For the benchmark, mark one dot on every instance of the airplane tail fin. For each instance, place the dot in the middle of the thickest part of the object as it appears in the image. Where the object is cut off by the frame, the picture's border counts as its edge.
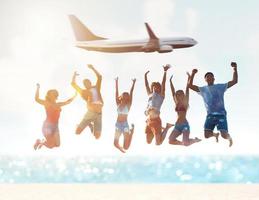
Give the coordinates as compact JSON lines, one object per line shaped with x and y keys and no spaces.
{"x":82,"y":33}
{"x":150,"y":32}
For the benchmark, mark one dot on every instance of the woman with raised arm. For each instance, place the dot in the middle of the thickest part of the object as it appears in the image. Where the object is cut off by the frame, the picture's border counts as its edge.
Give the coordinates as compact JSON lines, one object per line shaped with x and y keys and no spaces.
{"x":123,"y":102}
{"x":156,"y":94}
{"x":50,"y":128}
{"x":181,"y":125}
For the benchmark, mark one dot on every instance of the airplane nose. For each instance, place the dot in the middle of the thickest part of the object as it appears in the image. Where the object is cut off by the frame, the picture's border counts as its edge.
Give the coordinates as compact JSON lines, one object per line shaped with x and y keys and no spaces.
{"x":194,"y":42}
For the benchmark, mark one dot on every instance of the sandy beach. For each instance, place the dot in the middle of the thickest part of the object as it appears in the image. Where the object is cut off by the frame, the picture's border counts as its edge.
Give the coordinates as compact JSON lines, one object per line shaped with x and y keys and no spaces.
{"x":129,"y":191}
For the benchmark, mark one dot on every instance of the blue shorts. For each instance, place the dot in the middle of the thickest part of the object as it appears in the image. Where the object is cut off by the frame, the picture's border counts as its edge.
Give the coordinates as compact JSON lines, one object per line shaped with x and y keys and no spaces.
{"x":122,"y":127}
{"x":182,"y":127}
{"x":216,"y":120}
{"x":179,"y":129}
{"x":49,"y":128}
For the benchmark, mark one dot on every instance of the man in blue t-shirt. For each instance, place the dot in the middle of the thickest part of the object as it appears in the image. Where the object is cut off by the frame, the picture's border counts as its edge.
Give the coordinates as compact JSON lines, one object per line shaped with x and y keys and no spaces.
{"x":213,"y":97}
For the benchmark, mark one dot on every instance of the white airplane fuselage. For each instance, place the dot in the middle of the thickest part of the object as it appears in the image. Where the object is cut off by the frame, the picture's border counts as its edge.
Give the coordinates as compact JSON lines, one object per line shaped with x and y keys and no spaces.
{"x":86,"y":39}
{"x":120,"y":46}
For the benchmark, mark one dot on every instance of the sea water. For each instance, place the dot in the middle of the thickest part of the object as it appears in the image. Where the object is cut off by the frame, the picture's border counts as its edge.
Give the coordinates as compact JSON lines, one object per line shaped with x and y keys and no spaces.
{"x":138,"y":169}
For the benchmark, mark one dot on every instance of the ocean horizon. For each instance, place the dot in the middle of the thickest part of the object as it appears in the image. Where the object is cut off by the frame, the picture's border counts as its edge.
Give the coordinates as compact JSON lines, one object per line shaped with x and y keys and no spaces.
{"x":130,"y":169}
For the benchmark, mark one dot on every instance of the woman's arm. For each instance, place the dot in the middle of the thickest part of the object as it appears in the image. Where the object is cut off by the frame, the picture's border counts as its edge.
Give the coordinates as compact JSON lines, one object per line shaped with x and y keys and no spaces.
{"x":172,"y":88}
{"x":147,"y":84}
{"x":37,"y":94}
{"x":166,"y":67}
{"x":187,"y":88}
{"x":131,"y":90}
{"x":67,"y":101}
{"x":117,"y":90}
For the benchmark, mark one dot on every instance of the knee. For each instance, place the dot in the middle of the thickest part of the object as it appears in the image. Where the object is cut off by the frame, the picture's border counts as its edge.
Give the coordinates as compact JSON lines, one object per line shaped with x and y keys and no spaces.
{"x":58,"y":145}
{"x":126,"y":147}
{"x":149,"y":141}
{"x":78,"y":131}
{"x":207,"y":134}
{"x":97,"y":135}
{"x":115,"y":143}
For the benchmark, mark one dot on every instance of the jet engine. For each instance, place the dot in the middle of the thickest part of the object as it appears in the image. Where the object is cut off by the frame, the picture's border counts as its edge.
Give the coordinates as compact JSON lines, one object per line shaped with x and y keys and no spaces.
{"x":165,"y":49}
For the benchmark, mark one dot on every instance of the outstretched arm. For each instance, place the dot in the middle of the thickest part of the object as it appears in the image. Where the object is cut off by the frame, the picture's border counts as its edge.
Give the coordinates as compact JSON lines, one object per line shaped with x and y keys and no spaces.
{"x":98,"y":75}
{"x":166,"y":67}
{"x":172,"y":88}
{"x":74,"y":84}
{"x":147,"y":84}
{"x":67,"y":101}
{"x":235,"y":75}
{"x":117,"y":90}
{"x":37,"y":94}
{"x":132,"y":89}
{"x":190,"y":82}
{"x":187,"y":88}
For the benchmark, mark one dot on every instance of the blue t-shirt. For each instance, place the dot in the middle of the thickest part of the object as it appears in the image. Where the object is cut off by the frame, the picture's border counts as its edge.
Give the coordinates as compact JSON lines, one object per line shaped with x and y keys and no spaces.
{"x":213,"y":97}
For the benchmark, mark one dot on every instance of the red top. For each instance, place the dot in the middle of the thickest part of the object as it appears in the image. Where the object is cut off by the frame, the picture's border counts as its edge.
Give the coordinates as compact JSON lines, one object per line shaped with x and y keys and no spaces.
{"x":53,"y":113}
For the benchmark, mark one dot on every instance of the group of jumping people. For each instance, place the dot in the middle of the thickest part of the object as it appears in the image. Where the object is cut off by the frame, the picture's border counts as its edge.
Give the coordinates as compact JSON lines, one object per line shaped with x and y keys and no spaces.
{"x":212,"y":94}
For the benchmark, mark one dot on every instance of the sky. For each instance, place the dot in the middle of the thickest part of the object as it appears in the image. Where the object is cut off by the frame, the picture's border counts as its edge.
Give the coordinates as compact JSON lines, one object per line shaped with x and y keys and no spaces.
{"x":38,"y":46}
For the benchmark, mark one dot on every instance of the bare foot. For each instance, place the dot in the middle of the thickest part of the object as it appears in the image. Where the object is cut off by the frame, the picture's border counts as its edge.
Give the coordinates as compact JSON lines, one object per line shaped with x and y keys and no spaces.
{"x":132,"y":129}
{"x":36,"y":144}
{"x":230,"y":142}
{"x":197,"y":139}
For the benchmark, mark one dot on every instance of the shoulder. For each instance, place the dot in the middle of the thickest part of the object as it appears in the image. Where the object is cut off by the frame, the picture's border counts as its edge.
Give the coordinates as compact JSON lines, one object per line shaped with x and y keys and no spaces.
{"x":221,"y":86}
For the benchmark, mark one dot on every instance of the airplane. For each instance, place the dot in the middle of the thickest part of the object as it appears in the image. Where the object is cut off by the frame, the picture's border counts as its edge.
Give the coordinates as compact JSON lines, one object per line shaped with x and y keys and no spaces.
{"x":85,"y":39}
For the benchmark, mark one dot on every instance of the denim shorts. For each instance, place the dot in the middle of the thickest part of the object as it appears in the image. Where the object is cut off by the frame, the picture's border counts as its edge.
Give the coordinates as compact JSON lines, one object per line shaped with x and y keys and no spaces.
{"x":182,"y":127}
{"x":179,"y":129}
{"x":122,"y":127}
{"x":49,"y":128}
{"x":219,"y":121}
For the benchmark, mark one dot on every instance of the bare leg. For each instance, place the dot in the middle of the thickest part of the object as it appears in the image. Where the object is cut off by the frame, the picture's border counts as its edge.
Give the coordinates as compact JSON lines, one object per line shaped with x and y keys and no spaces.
{"x":149,"y":137}
{"x":165,"y":130}
{"x":175,"y":142}
{"x":97,"y":134}
{"x":117,"y":145}
{"x":226,"y":136}
{"x":57,"y":139}
{"x":192,"y":141}
{"x":172,"y":138}
{"x":128,"y":138}
{"x":209,"y":133}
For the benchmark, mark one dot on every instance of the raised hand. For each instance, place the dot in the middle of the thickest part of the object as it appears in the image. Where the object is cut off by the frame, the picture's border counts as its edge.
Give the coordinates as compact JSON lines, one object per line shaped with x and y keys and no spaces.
{"x":166,"y":67}
{"x":194,"y":71}
{"x":38,"y":85}
{"x":234,"y":65}
{"x":116,"y":79}
{"x":76,"y":74}
{"x":133,"y":80}
{"x":90,"y":66}
{"x":146,"y":73}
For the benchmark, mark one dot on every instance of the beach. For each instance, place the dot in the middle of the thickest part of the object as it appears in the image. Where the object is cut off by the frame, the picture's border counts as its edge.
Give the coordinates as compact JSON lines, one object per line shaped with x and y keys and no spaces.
{"x":129,"y":191}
